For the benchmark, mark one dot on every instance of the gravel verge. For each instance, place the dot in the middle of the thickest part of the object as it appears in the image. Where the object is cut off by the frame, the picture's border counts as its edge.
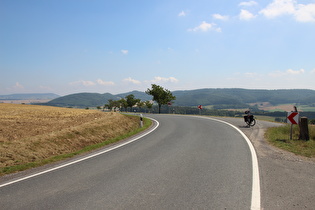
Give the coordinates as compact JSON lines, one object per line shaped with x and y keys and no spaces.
{"x":287,"y":180}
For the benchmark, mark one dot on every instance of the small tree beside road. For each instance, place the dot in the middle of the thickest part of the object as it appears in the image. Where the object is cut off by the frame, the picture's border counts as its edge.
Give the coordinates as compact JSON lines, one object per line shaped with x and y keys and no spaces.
{"x":160,"y":95}
{"x":128,"y":101}
{"x":132,"y":101}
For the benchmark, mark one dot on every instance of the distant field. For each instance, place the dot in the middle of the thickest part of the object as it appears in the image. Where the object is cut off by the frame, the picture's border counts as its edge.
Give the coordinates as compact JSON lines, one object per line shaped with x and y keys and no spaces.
{"x":266,"y":106}
{"x":23,"y":101}
{"x":31,"y":134}
{"x":306,"y":108}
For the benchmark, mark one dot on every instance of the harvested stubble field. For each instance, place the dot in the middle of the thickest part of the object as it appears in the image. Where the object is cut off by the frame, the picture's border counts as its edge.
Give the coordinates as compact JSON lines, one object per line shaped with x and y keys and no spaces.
{"x":32,"y":134}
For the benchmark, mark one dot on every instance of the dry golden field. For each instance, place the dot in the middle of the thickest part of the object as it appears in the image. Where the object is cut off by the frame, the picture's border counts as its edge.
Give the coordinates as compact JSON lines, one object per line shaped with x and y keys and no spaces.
{"x":30,"y":133}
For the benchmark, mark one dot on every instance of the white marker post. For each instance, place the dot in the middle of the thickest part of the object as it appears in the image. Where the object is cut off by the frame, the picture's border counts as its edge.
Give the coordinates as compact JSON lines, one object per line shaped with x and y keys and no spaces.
{"x":141,"y":121}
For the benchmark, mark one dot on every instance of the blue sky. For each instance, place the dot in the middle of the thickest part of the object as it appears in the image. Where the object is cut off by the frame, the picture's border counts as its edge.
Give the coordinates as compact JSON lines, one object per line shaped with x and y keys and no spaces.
{"x":116,"y":46}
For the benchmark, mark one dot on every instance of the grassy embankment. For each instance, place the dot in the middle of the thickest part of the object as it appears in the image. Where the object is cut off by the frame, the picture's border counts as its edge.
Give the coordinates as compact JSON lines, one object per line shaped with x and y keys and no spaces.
{"x":280,"y":137}
{"x":32,"y":136}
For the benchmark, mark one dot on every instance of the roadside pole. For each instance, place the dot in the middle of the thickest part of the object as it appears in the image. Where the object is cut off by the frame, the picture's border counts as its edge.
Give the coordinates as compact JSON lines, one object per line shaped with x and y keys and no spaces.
{"x":200,"y":108}
{"x":141,"y":121}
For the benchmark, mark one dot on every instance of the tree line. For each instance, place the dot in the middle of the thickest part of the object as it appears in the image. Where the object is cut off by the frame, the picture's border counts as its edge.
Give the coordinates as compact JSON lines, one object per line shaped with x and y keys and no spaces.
{"x":159,"y":94}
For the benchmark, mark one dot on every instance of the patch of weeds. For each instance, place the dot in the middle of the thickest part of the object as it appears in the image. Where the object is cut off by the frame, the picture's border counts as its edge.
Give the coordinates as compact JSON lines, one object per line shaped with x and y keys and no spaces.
{"x":280,"y":137}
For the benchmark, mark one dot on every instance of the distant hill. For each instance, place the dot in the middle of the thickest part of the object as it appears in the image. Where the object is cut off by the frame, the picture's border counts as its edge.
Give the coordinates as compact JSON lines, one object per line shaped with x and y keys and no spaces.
{"x":231,"y":96}
{"x":138,"y":94}
{"x":29,"y":96}
{"x":226,"y":97}
{"x":82,"y":100}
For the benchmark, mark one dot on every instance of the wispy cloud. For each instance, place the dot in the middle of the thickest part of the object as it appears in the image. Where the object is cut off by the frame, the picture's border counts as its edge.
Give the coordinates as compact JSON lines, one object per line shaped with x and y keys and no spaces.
{"x":182,"y":14}
{"x":85,"y":83}
{"x":18,"y":86}
{"x":246,"y":15}
{"x":159,"y":79}
{"x":125,"y":52}
{"x":104,"y":83}
{"x":204,"y":26}
{"x":133,"y":81}
{"x":248,"y":3}
{"x":220,"y":17}
{"x":286,"y":73}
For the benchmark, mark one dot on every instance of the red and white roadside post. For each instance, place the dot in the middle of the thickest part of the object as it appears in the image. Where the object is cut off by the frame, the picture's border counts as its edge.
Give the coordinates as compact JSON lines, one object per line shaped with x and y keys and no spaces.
{"x":293,"y":118}
{"x":200,"y":108}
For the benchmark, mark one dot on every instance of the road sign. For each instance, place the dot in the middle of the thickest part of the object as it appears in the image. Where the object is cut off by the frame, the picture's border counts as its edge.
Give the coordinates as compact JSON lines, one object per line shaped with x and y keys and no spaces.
{"x":199,"y":107}
{"x":293,"y":118}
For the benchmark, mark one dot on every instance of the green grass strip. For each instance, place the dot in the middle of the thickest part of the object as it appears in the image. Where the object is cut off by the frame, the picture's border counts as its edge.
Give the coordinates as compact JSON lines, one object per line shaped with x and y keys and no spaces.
{"x":280,"y":137}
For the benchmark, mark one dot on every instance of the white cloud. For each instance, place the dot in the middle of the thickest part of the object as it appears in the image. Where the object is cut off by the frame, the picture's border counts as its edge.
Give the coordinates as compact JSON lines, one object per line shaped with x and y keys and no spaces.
{"x":220,"y":17}
{"x":18,"y":86}
{"x":248,"y":3}
{"x":279,"y":7}
{"x":301,"y":12}
{"x":305,"y":13}
{"x":292,"y":72}
{"x":104,"y":83}
{"x":82,"y":82}
{"x":182,"y":14}
{"x":125,"y":52}
{"x":286,"y":73}
{"x":133,"y":81}
{"x":246,"y":15}
{"x":159,"y":79}
{"x":204,"y":26}
{"x":313,"y":71}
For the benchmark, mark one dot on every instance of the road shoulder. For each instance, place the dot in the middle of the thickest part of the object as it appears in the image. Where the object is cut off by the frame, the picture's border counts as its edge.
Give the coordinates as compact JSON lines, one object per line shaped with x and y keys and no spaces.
{"x":287,"y":180}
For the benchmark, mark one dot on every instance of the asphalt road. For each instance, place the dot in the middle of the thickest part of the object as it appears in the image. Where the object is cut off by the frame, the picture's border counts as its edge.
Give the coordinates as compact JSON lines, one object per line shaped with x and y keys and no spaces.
{"x":186,"y":163}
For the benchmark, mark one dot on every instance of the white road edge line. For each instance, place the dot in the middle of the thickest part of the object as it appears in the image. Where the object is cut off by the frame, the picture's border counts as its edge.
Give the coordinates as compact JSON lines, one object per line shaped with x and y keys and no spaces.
{"x":255,"y":200}
{"x":85,"y":158}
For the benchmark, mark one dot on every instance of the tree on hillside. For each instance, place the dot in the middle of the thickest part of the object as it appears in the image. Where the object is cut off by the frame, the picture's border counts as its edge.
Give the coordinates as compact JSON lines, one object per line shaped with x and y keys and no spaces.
{"x":160,"y":95}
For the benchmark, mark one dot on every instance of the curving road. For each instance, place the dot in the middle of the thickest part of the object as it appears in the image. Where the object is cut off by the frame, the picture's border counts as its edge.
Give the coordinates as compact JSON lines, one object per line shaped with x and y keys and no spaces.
{"x":185,"y":163}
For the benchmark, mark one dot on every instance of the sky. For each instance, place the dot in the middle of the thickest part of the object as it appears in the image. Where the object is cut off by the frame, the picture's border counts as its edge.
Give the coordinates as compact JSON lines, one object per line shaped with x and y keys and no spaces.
{"x":117,"y":46}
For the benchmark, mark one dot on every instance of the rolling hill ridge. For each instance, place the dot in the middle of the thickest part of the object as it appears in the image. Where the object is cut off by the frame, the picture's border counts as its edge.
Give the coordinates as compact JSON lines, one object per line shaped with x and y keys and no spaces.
{"x":229,"y":97}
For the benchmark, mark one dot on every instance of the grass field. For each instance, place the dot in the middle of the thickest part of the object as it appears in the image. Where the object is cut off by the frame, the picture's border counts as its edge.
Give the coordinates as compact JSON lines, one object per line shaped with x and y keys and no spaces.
{"x":35,"y":135}
{"x":306,"y":108}
{"x":283,"y":107}
{"x":280,"y":137}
